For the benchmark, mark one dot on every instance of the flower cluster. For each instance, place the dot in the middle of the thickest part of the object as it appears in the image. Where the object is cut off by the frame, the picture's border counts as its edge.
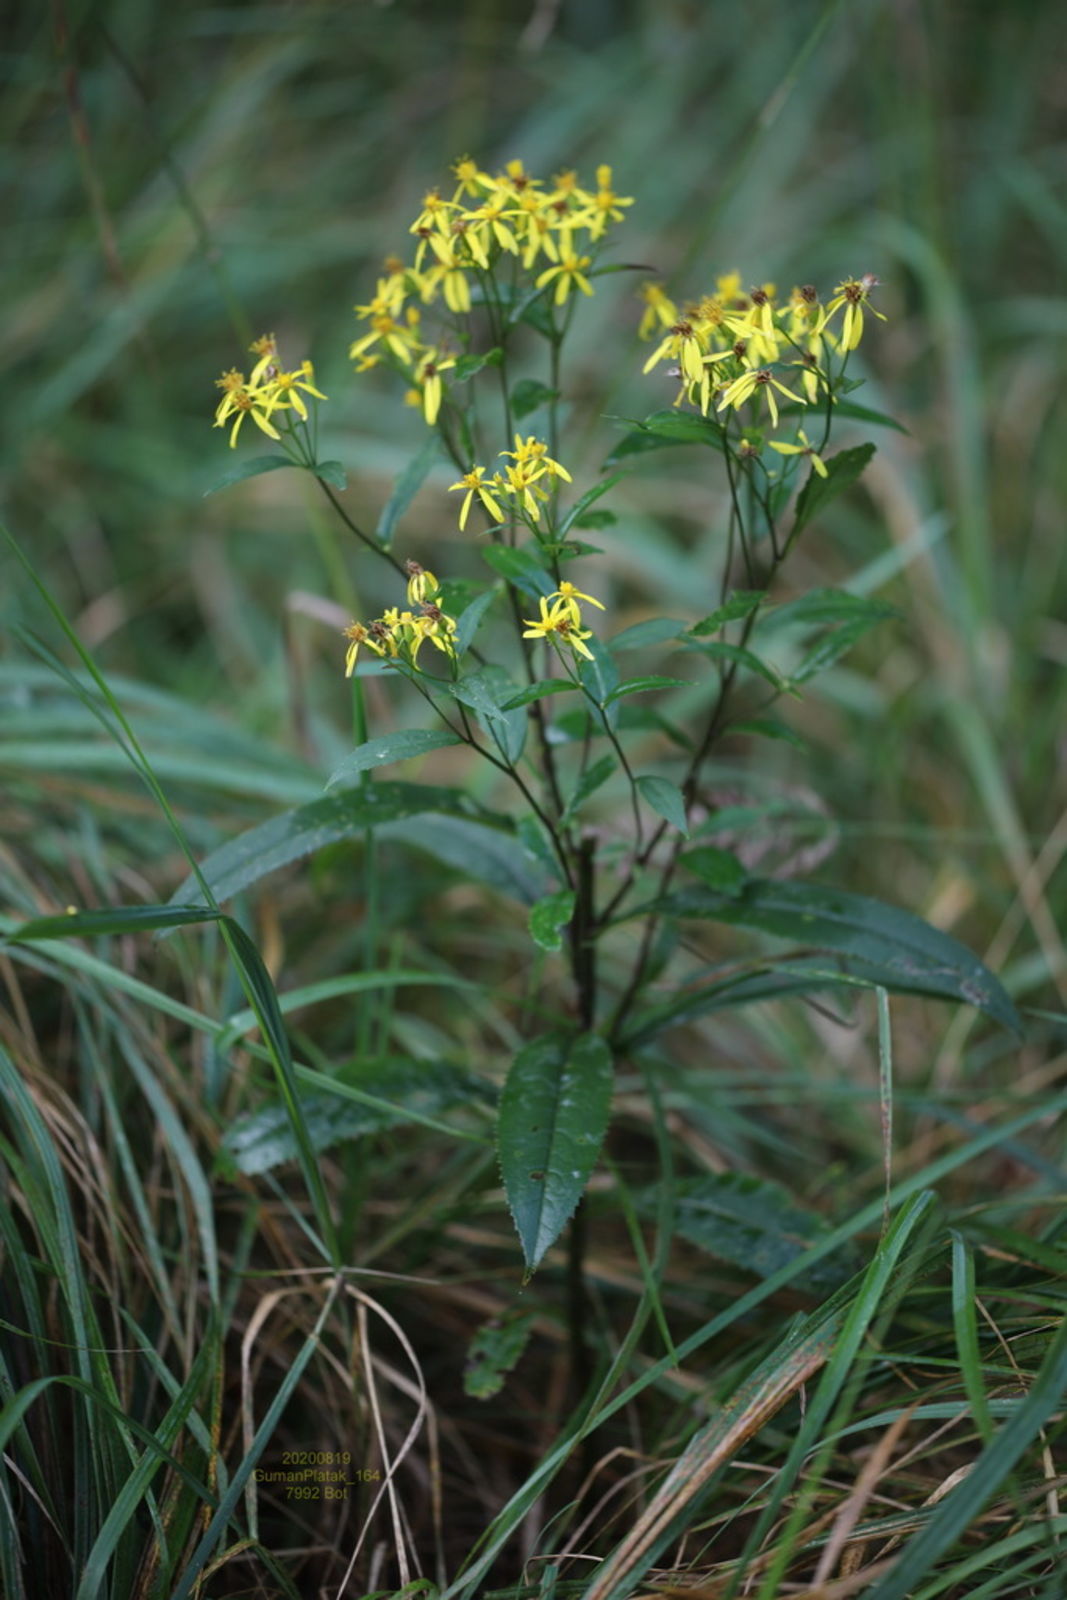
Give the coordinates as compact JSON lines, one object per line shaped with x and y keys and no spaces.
{"x":731,"y":348}
{"x":560,"y":621}
{"x":550,"y":229}
{"x":399,"y":635}
{"x":521,"y":482}
{"x":268,"y":390}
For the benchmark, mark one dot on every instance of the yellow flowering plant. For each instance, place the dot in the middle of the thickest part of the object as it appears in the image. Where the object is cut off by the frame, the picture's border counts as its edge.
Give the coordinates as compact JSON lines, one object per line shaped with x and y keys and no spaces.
{"x":611,"y":836}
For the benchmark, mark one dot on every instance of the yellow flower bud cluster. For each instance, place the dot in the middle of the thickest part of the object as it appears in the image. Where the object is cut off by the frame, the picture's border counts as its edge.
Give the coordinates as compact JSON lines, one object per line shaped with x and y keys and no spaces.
{"x":549,"y":229}
{"x":399,"y":635}
{"x":268,"y":390}
{"x":521,"y":482}
{"x":730,"y":347}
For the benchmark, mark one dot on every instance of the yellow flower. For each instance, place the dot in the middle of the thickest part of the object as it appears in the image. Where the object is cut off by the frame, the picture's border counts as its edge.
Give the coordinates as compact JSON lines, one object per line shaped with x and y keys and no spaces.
{"x":804,"y":448}
{"x":428,"y":378}
{"x":569,"y":270}
{"x":605,"y":206}
{"x":358,"y":635}
{"x":266,"y":348}
{"x":285,"y":390}
{"x":438,"y":628}
{"x":487,"y":223}
{"x":557,"y":625}
{"x":569,"y":596}
{"x":450,"y":275}
{"x":421,"y":582}
{"x":735,"y":394}
{"x":434,"y":213}
{"x":515,"y":179}
{"x":685,"y":344}
{"x":532,"y":451}
{"x":472,"y":482}
{"x":470,"y":179}
{"x":522,"y":485}
{"x":230,"y":381}
{"x":240,"y":401}
{"x":400,"y":340}
{"x":853,"y":294}
{"x":660,"y":311}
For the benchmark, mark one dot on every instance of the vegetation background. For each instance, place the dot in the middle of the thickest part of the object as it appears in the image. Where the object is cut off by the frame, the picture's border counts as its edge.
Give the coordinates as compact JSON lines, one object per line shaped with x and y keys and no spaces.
{"x":178,"y":179}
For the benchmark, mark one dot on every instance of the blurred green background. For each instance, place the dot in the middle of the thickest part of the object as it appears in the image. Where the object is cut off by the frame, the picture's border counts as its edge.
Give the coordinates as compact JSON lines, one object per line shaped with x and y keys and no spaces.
{"x":177,"y":177}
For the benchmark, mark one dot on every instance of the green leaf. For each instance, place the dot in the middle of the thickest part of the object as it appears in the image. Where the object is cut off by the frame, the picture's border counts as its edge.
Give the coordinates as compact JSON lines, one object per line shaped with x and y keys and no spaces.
{"x":664,"y":428}
{"x":719,"y":869}
{"x":535,"y":842}
{"x":493,"y":1353}
{"x":521,"y":568}
{"x":842,"y":471}
{"x":470,"y":619}
{"x":406,"y":487}
{"x":740,"y":989}
{"x":537,"y":314}
{"x":720,"y":650}
{"x":581,"y":506}
{"x":368,"y":1098}
{"x":874,"y":941}
{"x":484,"y":853}
{"x":400,"y":746}
{"x":331,"y":472}
{"x":538,"y":691}
{"x":253,"y":468}
{"x":487,"y":693}
{"x":588,"y":784}
{"x":825,"y":607}
{"x":527,"y":395}
{"x":749,"y":1222}
{"x":300,"y":832}
{"x":740,"y":604}
{"x":850,"y":616}
{"x":828,"y":651}
{"x":657,"y":630}
{"x":466,"y":366}
{"x":594,"y":519}
{"x":666,"y":799}
{"x":849,"y":408}
{"x":643,"y":685}
{"x":770,"y":728}
{"x":549,"y":917}
{"x":553,"y":1117}
{"x":570,"y":549}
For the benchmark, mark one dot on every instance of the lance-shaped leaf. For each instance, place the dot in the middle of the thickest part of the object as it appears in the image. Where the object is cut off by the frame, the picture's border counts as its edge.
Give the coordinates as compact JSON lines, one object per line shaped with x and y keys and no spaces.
{"x":527,"y":395}
{"x":751,"y":1223}
{"x":254,"y":467}
{"x":407,"y":486}
{"x":666,"y":799}
{"x":553,"y":1117}
{"x":400,"y":746}
{"x":842,"y":470}
{"x":305,"y":829}
{"x":665,"y":428}
{"x":740,"y":604}
{"x":872,"y":940}
{"x":580,"y":507}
